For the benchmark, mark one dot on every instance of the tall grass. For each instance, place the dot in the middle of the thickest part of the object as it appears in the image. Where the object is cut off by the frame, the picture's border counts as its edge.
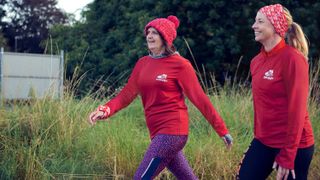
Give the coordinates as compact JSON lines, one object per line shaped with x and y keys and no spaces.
{"x":51,"y":139}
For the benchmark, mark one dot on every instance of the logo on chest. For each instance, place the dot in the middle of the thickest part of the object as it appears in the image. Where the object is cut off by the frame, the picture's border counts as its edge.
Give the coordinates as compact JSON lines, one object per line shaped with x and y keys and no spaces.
{"x":162,"y":78}
{"x":268,"y":75}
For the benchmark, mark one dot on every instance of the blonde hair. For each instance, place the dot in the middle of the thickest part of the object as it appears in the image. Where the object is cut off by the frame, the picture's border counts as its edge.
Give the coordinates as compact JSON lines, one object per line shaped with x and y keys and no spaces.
{"x":295,"y":36}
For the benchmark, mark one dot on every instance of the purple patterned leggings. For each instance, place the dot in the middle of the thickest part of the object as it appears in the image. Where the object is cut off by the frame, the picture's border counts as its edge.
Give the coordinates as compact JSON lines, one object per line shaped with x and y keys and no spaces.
{"x":165,"y":151}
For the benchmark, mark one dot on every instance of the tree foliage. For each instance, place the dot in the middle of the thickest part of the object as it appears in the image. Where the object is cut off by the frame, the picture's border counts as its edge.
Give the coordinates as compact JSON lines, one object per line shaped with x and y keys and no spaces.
{"x":28,"y":23}
{"x":218,"y":32}
{"x":3,"y":41}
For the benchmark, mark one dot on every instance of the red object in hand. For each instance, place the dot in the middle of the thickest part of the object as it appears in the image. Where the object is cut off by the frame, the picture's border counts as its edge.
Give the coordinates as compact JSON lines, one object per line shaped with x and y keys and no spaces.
{"x":105,"y":110}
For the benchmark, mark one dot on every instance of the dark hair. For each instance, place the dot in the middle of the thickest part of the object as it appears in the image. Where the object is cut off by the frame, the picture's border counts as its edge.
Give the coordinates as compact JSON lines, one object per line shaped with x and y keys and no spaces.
{"x":167,"y":50}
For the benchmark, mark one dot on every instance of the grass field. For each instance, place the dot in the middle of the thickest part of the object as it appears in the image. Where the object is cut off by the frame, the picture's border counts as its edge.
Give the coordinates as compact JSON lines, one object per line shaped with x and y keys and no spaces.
{"x":51,"y":139}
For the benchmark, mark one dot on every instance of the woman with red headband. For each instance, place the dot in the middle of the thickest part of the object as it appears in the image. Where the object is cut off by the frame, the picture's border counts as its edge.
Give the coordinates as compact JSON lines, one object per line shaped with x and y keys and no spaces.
{"x":162,"y":79}
{"x":283,"y":137}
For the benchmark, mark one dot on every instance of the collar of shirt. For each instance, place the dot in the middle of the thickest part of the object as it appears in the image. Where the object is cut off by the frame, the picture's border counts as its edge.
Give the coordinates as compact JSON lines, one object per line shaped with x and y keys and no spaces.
{"x":162,"y":55}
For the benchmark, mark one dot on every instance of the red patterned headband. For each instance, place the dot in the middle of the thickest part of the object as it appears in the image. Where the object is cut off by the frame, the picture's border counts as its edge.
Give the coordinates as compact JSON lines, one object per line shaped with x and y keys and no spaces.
{"x":275,"y":15}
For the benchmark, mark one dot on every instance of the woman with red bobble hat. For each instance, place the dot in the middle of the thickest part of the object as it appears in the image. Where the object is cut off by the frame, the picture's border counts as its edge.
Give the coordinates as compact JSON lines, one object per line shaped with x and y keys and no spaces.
{"x":283,"y":137}
{"x":163,"y":79}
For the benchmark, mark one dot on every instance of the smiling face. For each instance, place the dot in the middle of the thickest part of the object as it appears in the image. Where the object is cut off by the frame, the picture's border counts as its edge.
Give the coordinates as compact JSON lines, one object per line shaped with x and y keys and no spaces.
{"x":154,"y":41}
{"x":263,"y":29}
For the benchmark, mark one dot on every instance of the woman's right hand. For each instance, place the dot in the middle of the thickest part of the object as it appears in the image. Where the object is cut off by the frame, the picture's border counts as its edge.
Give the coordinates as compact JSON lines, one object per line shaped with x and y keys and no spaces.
{"x":102,"y":112}
{"x":228,"y":140}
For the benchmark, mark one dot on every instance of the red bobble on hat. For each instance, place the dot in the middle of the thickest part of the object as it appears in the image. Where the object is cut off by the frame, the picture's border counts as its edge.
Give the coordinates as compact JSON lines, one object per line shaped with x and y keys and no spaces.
{"x":175,"y":20}
{"x":167,"y":27}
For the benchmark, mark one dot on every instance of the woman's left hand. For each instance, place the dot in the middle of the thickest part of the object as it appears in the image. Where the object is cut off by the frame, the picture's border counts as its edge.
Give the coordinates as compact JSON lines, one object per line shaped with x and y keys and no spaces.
{"x":283,"y":173}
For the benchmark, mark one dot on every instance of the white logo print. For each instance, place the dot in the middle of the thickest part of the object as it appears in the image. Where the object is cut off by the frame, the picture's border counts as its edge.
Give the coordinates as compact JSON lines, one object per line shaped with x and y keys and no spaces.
{"x":268,"y":75}
{"x":162,"y":77}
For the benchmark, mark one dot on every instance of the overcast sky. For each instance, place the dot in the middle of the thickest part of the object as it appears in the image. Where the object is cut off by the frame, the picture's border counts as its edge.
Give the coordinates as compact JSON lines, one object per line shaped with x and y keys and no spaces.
{"x":73,"y":6}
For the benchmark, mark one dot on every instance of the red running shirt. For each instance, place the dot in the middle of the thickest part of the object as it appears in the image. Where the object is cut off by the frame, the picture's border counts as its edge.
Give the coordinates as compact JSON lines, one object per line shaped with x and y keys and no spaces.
{"x":162,"y":84}
{"x":280,"y":85}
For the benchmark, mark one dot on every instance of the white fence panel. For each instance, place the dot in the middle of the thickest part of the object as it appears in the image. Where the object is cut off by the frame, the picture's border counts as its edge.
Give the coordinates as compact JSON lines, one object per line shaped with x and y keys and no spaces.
{"x":26,"y":75}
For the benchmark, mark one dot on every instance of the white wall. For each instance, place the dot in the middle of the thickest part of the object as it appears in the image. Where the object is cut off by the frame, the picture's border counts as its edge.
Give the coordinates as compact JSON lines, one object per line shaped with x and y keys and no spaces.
{"x":22,"y":73}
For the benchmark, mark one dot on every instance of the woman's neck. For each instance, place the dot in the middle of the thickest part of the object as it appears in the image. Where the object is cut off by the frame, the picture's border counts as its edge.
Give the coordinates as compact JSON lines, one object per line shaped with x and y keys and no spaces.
{"x":157,"y":52}
{"x":269,"y":44}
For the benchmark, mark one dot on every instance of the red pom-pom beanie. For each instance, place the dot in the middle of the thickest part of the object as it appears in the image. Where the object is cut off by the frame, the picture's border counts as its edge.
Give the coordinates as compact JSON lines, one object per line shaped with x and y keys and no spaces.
{"x":167,"y":27}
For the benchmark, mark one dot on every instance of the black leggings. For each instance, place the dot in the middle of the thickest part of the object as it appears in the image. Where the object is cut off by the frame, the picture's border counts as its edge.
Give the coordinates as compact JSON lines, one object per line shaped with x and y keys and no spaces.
{"x":259,"y":158}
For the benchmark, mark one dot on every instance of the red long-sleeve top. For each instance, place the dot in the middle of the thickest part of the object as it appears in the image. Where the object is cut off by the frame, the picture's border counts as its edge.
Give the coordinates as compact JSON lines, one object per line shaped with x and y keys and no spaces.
{"x":280,"y":85}
{"x":162,"y":84}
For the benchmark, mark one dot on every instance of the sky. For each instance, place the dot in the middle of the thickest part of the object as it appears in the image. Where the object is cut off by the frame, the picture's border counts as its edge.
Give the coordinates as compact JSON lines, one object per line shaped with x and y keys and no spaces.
{"x":73,"y":6}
